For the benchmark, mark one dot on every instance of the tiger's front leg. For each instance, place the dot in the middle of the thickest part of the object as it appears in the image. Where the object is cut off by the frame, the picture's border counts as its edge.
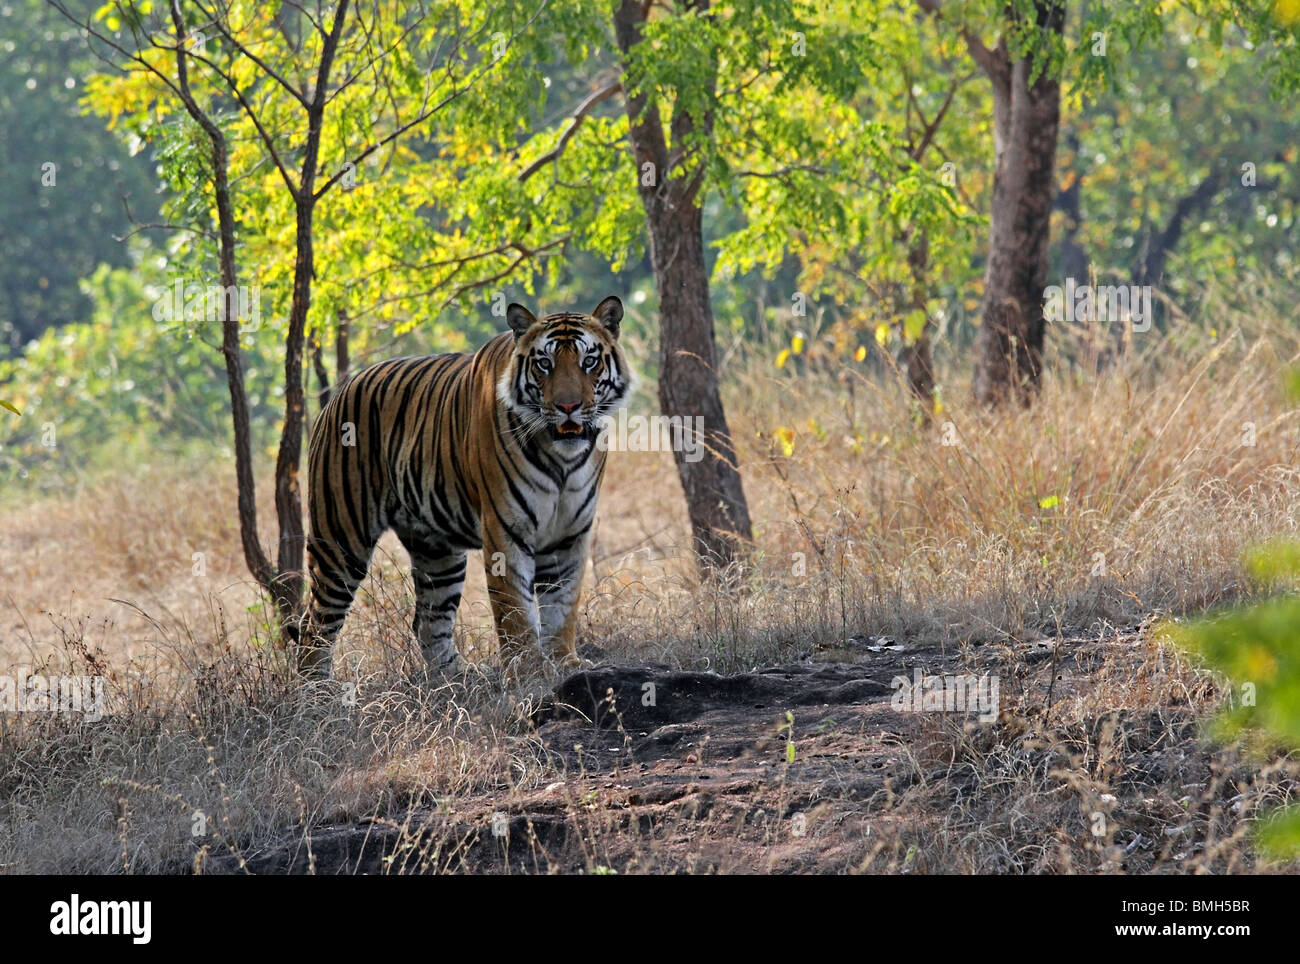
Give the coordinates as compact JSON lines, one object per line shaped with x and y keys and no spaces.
{"x":559,"y":579}
{"x":510,"y":571}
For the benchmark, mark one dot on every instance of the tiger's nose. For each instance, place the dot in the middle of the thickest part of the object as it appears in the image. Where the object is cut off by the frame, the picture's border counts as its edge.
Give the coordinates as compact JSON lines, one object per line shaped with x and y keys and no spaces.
{"x":568,"y":408}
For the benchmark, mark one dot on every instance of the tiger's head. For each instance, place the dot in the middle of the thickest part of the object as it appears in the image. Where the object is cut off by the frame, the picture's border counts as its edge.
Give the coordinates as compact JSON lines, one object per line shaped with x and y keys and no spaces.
{"x":566,"y":374}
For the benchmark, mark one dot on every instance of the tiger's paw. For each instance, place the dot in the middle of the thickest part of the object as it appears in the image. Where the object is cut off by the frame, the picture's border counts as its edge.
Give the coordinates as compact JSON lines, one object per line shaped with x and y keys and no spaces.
{"x":449,"y":668}
{"x":568,"y":661}
{"x":529,"y":672}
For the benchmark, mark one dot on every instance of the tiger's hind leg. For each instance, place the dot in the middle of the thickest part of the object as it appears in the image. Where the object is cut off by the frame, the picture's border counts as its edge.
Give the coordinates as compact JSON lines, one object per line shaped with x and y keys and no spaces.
{"x":439,"y":577}
{"x":334,"y":570}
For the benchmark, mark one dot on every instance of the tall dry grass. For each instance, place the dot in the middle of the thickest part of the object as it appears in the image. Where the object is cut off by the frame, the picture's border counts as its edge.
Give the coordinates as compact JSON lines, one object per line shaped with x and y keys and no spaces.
{"x":1120,"y":493}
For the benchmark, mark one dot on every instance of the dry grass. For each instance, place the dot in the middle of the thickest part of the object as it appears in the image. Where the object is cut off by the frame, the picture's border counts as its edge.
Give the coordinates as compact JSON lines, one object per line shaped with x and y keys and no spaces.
{"x":1119,"y":494}
{"x":1115,"y":777}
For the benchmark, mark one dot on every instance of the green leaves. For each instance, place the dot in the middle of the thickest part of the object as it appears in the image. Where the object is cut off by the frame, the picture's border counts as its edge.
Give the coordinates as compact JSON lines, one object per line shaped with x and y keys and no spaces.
{"x":389,"y":233}
{"x":1258,"y":649}
{"x":121,"y":386}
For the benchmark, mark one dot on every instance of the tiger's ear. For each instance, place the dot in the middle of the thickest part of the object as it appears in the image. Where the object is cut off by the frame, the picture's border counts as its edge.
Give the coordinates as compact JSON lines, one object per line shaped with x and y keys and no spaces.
{"x":520,"y":319}
{"x":609,"y":313}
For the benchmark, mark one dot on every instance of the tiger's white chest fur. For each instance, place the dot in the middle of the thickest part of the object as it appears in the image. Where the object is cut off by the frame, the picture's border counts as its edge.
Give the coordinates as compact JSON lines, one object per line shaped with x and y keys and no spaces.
{"x":562,"y":509}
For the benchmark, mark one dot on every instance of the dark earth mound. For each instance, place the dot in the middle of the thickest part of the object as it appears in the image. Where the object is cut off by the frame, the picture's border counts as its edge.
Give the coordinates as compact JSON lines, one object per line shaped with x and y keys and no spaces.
{"x":793,"y":768}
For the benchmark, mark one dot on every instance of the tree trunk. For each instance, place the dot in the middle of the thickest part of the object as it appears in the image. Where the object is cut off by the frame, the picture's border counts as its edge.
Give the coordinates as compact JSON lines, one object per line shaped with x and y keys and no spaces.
{"x":258,"y":564}
{"x":288,"y":494}
{"x":288,"y":587}
{"x":688,"y":384}
{"x":1156,"y":250}
{"x":1074,"y":259}
{"x":688,"y":377}
{"x":1026,"y":116}
{"x":918,"y":362}
{"x":342,"y":363}
{"x":284,"y":580}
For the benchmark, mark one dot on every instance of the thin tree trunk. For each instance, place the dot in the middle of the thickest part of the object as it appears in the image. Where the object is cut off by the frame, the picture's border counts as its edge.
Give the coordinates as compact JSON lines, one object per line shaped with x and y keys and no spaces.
{"x":917,"y":359}
{"x":688,"y":377}
{"x":1151,"y":265}
{"x":322,"y":373}
{"x":258,"y":564}
{"x":1074,"y":259}
{"x":288,"y":491}
{"x":288,"y":496}
{"x":284,"y":580}
{"x":342,"y":363}
{"x":1026,"y":117}
{"x":325,"y":387}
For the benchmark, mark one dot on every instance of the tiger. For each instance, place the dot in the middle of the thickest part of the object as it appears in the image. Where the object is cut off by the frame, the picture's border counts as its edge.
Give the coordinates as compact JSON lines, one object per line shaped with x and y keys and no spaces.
{"x":498,"y":450}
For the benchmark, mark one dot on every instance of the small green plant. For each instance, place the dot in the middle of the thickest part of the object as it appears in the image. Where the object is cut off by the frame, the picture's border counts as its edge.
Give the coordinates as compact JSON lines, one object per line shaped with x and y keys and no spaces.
{"x":1258,"y":649}
{"x":788,"y":729}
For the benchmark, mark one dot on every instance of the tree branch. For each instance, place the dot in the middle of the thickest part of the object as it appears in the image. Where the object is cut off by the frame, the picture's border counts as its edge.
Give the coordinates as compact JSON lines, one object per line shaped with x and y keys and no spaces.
{"x":993,"y":62}
{"x":425,"y":114}
{"x":592,"y":101}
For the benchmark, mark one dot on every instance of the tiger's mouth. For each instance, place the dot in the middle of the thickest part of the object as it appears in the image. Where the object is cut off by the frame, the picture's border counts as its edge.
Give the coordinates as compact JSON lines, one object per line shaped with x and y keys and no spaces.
{"x":568,"y":430}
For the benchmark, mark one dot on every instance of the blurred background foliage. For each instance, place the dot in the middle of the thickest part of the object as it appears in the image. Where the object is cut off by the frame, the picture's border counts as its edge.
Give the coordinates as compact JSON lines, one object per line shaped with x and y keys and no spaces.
{"x":56,"y":234}
{"x":1176,"y":169}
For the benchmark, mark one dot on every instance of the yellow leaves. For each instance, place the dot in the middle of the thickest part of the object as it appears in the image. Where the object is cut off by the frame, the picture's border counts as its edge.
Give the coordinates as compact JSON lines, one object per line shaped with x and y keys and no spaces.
{"x":108,"y":14}
{"x":110,"y":96}
{"x":913,"y":326}
{"x":860,"y":354}
{"x":910,"y":326}
{"x":784,"y":438}
{"x":1287,"y":12}
{"x":797,"y":345}
{"x":132,"y":93}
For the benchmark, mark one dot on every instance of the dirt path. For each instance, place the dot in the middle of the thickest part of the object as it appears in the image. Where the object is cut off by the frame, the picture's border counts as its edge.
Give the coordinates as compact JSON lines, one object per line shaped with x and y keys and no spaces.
{"x":658,"y":770}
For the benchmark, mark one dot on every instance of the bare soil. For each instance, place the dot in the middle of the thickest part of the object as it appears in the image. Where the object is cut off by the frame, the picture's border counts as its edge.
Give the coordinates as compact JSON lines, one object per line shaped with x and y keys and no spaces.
{"x":806,"y":767}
